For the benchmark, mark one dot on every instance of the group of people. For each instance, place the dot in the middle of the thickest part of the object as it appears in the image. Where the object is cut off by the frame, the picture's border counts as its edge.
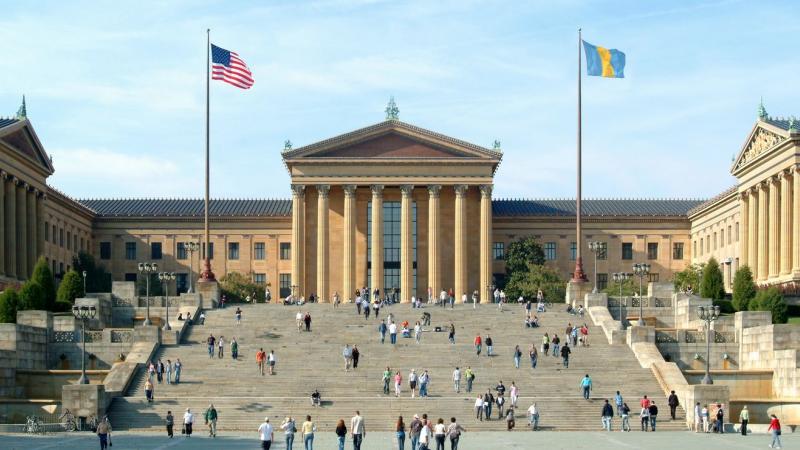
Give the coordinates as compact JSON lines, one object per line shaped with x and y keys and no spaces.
{"x":160,"y":371}
{"x":486,"y":402}
{"x":216,"y":346}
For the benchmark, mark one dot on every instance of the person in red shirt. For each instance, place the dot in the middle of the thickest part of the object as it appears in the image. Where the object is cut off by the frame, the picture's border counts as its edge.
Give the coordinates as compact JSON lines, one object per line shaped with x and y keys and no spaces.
{"x":478,"y":343}
{"x":645,"y":402}
{"x":775,"y":427}
{"x":261,"y":357}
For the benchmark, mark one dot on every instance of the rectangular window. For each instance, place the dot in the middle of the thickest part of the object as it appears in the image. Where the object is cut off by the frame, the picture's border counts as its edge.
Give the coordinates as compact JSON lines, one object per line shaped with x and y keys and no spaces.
{"x":730,"y":234}
{"x":54,"y":268}
{"x":652,"y":250}
{"x":286,"y":250}
{"x":259,"y":251}
{"x":694,"y":248}
{"x":61,"y":237}
{"x":47,"y":232}
{"x":602,"y":281}
{"x":573,"y":251}
{"x":627,"y":250}
{"x":182,"y":282}
{"x":499,"y":251}
{"x":550,"y":251}
{"x":708,"y":244}
{"x":53,"y":236}
{"x":69,"y":240}
{"x":210,"y":250}
{"x":701,"y":246}
{"x":233,"y":250}
{"x":652,"y":277}
{"x":81,"y":247}
{"x":105,"y":250}
{"x":285,"y":286}
{"x":715,"y":240}
{"x":260,"y":278}
{"x":155,"y":250}
{"x":737,"y":231}
{"x":130,"y":251}
{"x":130,"y":277}
{"x":75,"y":242}
{"x":677,"y":250}
{"x":61,"y":268}
{"x":602,"y":252}
{"x":180,"y":250}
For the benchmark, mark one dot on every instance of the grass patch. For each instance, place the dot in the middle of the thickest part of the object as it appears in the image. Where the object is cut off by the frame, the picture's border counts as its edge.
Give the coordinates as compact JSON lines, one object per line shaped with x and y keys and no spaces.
{"x":794,"y":320}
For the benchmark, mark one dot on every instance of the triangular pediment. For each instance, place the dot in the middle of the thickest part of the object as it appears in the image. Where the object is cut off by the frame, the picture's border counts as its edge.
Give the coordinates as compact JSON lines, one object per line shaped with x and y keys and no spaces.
{"x":21,"y":139}
{"x":762,"y":139}
{"x":392,"y":145}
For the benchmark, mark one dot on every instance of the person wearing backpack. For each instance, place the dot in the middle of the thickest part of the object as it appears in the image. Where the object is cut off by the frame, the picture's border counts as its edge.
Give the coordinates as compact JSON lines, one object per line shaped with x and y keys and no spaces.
{"x":469,"y":375}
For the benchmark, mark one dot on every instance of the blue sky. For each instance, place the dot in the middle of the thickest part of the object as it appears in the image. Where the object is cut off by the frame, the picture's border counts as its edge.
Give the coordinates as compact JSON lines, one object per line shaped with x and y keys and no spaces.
{"x":116,"y":91}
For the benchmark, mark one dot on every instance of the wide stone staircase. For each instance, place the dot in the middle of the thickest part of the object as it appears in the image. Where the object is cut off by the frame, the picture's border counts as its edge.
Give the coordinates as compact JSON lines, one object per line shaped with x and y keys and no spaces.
{"x":312,"y":360}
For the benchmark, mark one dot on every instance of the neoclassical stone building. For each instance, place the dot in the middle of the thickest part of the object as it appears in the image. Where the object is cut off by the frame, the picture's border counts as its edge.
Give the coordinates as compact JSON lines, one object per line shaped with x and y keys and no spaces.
{"x":390,"y":206}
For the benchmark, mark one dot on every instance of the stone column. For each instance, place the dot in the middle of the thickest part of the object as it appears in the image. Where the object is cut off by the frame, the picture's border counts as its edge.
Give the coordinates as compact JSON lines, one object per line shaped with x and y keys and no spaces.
{"x":786,"y":238}
{"x":11,"y":227}
{"x":298,"y":245}
{"x":752,"y":232}
{"x":763,"y":230}
{"x":796,"y":221}
{"x":22,"y":231}
{"x":3,"y":178}
{"x":744,"y":221}
{"x":40,"y":224}
{"x":460,"y":233}
{"x":32,"y":232}
{"x":434,"y":258}
{"x":406,"y":260}
{"x":349,"y":251}
{"x":322,"y":242}
{"x":376,"y":246}
{"x":774,"y":233}
{"x":486,"y":243}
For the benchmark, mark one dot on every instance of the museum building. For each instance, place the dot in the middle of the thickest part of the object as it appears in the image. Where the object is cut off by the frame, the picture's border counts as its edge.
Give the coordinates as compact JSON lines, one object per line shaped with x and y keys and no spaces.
{"x":393,"y":205}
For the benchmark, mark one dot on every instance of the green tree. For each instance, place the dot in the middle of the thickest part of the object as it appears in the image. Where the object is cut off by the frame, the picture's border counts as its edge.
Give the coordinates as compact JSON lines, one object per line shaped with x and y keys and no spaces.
{"x":44,"y":277}
{"x":688,"y":277}
{"x":521,"y":253}
{"x":712,"y":284}
{"x":9,"y":304}
{"x":156,"y":289}
{"x":97,"y":278}
{"x":629,"y":287}
{"x":237,"y":286}
{"x":31,"y":296}
{"x":527,"y":283}
{"x":771,"y":300}
{"x":71,"y":287}
{"x":744,"y":289}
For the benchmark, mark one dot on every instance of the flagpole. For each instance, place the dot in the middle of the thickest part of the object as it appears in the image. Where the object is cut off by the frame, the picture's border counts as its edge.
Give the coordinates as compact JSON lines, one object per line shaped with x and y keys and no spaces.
{"x":578,"y":274}
{"x":207,"y":274}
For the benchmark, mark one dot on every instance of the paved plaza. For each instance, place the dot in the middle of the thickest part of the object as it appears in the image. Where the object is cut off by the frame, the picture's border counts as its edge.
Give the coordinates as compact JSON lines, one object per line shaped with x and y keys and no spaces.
{"x":386,"y":441}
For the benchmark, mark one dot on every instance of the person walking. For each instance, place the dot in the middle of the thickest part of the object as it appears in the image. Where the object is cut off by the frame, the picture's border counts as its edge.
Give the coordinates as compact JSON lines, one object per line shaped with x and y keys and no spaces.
{"x":454,"y":431}
{"x":307,"y":321}
{"x":261,"y":359}
{"x":451,"y":335}
{"x":469,"y":375}
{"x":457,"y":380}
{"x":347,"y":354}
{"x":500,"y":401}
{"x":775,"y":428}
{"x":719,"y":423}
{"x":440,"y":434}
{"x":188,"y":421}
{"x":210,"y":341}
{"x":618,"y":401}
{"x":565,"y":351}
{"x":211,"y":420}
{"x":160,"y":371}
{"x":356,"y":355}
{"x":168,"y":371}
{"x":488,"y":402}
{"x":673,"y":403}
{"x":698,"y":417}
{"x":545,"y":344}
{"x":425,"y":435}
{"x":357,"y":430}
{"x":308,"y":429}
{"x":148,"y":390}
{"x":104,"y":433}
{"x":238,"y":316}
{"x":744,"y":418}
{"x":382,"y":328}
{"x":556,"y":341}
{"x":341,"y":433}
{"x":298,"y":319}
{"x":514,"y":392}
{"x":424,"y":379}
{"x":606,"y":415}
{"x":706,"y":416}
{"x":400,"y":433}
{"x":412,"y":382}
{"x":644,"y":415}
{"x":510,"y":422}
{"x":234,"y":349}
{"x":478,"y":342}
{"x":479,"y":408}
{"x":398,"y":382}
{"x":534,"y":355}
{"x":625,"y":412}
{"x":533,"y":417}
{"x":387,"y":376}
{"x":653,"y":409}
{"x":417,"y":332}
{"x":289,"y":429}
{"x":170,"y":423}
{"x":271,"y":360}
{"x":586,"y":385}
{"x":266,"y":433}
{"x":221,"y":347}
{"x":414,"y":429}
{"x":517,"y":356}
{"x":489,"y":343}
{"x":178,"y":367}
{"x":393,"y":333}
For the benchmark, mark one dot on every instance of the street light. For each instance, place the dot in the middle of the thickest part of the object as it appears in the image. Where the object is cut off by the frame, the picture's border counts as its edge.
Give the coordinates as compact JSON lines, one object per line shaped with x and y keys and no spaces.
{"x":84,"y":283}
{"x":596,"y":247}
{"x":165,"y":278}
{"x":641,"y":271}
{"x":83,"y":313}
{"x":708,"y":315}
{"x":191,"y":247}
{"x":147,"y":268}
{"x":620,"y":278}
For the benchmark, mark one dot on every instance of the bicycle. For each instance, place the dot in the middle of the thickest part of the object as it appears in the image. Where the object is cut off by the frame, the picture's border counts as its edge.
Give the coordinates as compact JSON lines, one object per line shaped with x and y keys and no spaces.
{"x":34,"y":425}
{"x":68,"y":421}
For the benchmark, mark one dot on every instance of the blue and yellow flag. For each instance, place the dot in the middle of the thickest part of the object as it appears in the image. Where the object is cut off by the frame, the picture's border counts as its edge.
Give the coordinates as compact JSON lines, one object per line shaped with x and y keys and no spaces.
{"x":602,"y":62}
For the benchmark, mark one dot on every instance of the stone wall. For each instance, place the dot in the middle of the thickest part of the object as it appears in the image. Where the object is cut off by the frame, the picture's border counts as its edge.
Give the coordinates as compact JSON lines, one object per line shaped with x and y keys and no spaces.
{"x":47,"y":384}
{"x":29,"y":344}
{"x":683,"y":354}
{"x":105,"y":355}
{"x":774,"y":347}
{"x":686,"y":310}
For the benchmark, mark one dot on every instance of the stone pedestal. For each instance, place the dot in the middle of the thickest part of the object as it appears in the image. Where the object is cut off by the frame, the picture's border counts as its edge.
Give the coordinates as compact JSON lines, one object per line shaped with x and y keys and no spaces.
{"x":209,"y":294}
{"x":84,"y":400}
{"x":600,"y":299}
{"x":576,"y":291}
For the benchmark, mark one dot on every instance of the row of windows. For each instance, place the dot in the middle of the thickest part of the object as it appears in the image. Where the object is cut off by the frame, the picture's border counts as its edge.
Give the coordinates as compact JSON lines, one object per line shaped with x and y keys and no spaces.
{"x":717,"y":239}
{"x":156,"y":252}
{"x":551,"y":253}
{"x":56,"y":236}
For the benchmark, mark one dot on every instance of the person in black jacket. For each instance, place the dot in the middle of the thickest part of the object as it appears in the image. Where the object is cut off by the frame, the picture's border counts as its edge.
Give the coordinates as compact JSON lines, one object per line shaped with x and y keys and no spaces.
{"x":673,"y":403}
{"x":606,"y":415}
{"x":653,"y":413}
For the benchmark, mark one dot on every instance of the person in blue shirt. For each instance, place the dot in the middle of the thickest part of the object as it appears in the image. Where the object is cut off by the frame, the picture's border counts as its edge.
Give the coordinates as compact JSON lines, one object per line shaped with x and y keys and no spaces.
{"x":382,"y":330}
{"x":618,"y":401}
{"x":586,"y":385}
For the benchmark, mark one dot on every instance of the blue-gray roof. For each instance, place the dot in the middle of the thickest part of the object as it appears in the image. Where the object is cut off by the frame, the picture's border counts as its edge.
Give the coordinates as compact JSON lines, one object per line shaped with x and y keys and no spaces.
{"x":514,"y":208}
{"x":6,"y":121}
{"x":188,"y":207}
{"x":781,"y":122}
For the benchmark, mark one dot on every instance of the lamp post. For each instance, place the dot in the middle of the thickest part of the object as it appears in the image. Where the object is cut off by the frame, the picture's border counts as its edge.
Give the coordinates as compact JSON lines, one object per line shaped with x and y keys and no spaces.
{"x":708,"y":315}
{"x":620,"y":278}
{"x":165,"y":278}
{"x":146,"y":269}
{"x":596,"y":247}
{"x":83,"y":313}
{"x":191,"y":247}
{"x":641,"y":271}
{"x":84,"y":283}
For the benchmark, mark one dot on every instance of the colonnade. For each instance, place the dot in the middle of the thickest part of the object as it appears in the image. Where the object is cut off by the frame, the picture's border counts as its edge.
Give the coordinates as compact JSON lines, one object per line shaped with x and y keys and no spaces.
{"x":770,"y":218}
{"x":21,"y":226}
{"x":434,"y":263}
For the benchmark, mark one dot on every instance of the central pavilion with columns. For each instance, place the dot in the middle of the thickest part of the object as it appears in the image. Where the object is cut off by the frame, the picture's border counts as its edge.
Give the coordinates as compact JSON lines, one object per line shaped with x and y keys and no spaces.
{"x":392,"y":206}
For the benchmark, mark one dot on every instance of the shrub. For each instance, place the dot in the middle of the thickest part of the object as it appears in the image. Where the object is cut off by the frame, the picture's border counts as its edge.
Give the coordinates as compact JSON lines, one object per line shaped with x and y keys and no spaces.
{"x":771,"y":300}
{"x":44,"y":278}
{"x":521,"y":253}
{"x":31,"y":296}
{"x":237,"y":286}
{"x":744,"y":289}
{"x":712,"y":284}
{"x":725,"y":306}
{"x":527,"y":283}
{"x":690,"y":276}
{"x":9,"y":304}
{"x":71,"y":287}
{"x":97,"y":278}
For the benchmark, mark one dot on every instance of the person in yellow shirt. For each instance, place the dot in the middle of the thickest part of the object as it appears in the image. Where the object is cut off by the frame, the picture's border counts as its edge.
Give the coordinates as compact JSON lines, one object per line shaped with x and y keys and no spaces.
{"x":308,"y":430}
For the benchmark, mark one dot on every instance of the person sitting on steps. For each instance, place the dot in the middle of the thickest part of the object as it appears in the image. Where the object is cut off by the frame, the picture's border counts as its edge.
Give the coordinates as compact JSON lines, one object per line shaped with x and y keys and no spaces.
{"x":316,"y":398}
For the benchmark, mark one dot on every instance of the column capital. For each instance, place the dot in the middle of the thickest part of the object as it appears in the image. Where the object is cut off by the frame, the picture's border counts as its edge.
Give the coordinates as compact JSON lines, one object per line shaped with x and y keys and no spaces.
{"x":349,"y":190}
{"x":486,"y":190}
{"x":406,"y":189}
{"x":27,"y":186}
{"x":3,"y":174}
{"x":753,"y":189}
{"x":377,"y":190}
{"x":433,"y":190}
{"x":744,"y":194}
{"x":461,"y":189}
{"x":323,"y":189}
{"x":298,"y":190}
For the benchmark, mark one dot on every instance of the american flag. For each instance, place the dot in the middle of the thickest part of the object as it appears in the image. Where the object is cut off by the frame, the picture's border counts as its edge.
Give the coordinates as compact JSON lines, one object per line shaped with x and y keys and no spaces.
{"x":228,"y":67}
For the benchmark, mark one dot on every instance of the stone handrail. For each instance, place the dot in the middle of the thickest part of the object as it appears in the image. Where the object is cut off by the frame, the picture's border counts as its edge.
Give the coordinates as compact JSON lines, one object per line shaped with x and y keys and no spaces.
{"x":664,"y":336}
{"x":633,"y":302}
{"x":106,"y":336}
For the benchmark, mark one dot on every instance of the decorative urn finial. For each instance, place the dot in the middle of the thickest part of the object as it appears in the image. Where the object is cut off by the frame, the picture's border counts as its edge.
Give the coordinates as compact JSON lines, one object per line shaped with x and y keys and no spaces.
{"x":392,"y":112}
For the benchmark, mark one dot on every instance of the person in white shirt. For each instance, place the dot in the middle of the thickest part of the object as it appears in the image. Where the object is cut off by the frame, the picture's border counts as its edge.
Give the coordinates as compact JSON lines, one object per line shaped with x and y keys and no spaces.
{"x":265,"y":431}
{"x":412,"y":381}
{"x":479,"y":408}
{"x":464,"y":298}
{"x":188,"y":420}
{"x":357,"y":430}
{"x":457,"y":380}
{"x":533,"y":415}
{"x":443,"y":297}
{"x":439,"y":433}
{"x":417,"y":332}
{"x":299,"y":319}
{"x":271,"y":360}
{"x":425,"y":435}
{"x":393,"y":333}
